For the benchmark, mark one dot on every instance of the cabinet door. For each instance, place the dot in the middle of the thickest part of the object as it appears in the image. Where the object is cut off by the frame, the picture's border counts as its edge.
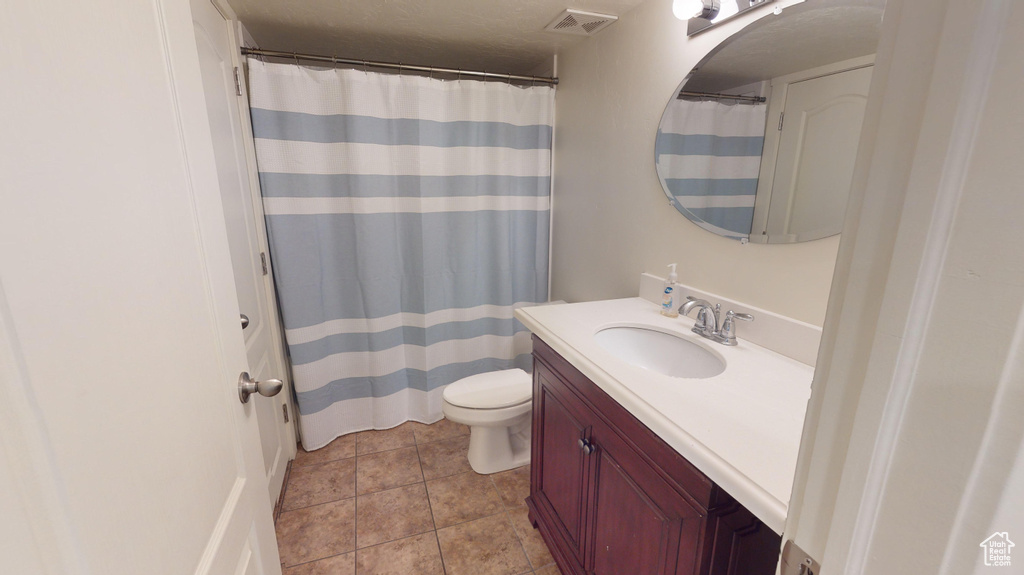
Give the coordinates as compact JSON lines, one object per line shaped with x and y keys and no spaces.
{"x":639,"y":525}
{"x":560,"y":475}
{"x":740,"y":543}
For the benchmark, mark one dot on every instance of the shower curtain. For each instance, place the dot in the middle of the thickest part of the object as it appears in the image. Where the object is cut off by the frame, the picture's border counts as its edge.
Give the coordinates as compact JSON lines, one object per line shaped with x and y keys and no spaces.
{"x":709,"y":156}
{"x":408,"y":218}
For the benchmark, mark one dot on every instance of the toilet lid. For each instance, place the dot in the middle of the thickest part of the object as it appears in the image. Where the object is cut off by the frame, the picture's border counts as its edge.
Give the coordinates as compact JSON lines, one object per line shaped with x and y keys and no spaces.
{"x":492,"y":390}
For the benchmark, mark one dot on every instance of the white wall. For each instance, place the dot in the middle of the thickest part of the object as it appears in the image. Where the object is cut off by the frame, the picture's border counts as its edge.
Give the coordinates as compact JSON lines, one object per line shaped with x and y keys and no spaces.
{"x":612,"y":220}
{"x":909,"y":440}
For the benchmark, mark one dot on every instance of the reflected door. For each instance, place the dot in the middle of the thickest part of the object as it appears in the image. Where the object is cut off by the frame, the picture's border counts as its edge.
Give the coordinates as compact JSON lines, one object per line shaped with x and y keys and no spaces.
{"x":820,"y":131}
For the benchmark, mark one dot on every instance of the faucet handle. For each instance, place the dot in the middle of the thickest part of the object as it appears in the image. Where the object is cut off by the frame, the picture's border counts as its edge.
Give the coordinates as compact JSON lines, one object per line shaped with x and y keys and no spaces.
{"x":727,"y":335}
{"x":739,"y":316}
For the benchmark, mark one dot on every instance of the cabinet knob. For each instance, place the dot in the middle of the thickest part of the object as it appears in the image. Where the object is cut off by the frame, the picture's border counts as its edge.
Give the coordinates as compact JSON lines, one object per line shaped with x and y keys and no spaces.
{"x":586,"y":446}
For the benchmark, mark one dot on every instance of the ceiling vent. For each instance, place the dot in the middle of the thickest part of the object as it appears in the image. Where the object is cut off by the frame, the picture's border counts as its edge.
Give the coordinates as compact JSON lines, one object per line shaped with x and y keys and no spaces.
{"x":580,"y":23}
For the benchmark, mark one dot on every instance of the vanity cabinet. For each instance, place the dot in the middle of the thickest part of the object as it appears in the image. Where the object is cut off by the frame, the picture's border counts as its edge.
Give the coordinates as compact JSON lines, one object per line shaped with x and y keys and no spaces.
{"x":612,"y":498}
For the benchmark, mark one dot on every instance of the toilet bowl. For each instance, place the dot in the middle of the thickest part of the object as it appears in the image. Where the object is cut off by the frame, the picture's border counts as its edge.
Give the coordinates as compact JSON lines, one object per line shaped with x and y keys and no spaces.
{"x":496,"y":406}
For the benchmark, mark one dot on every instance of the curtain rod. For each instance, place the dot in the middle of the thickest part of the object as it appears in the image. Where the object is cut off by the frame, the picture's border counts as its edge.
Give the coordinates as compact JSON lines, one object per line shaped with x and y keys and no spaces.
{"x":755,"y":99}
{"x":391,"y":65}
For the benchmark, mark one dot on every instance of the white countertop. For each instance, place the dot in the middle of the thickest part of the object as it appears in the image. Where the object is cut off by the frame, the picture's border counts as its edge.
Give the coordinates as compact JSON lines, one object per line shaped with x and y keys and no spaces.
{"x":740,"y":428}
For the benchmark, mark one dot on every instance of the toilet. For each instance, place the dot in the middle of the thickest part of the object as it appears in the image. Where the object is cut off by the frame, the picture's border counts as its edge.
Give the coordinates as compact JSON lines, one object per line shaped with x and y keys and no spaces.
{"x":496,"y":406}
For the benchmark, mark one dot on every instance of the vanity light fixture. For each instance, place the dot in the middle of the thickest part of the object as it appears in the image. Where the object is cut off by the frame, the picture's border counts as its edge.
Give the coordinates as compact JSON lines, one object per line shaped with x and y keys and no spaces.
{"x":686,"y":9}
{"x":703,"y":14}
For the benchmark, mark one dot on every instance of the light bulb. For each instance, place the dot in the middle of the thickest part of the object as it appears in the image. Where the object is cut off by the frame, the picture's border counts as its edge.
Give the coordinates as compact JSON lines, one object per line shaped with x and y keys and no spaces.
{"x":686,"y":9}
{"x":728,"y":8}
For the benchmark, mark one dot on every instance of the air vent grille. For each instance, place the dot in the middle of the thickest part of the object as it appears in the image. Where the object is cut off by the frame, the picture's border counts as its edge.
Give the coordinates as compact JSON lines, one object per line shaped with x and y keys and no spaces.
{"x":567,"y":22}
{"x":580,"y":23}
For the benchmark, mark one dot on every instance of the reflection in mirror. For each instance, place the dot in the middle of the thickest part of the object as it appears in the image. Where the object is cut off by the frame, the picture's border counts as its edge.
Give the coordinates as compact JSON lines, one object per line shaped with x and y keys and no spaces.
{"x":758,"y":142}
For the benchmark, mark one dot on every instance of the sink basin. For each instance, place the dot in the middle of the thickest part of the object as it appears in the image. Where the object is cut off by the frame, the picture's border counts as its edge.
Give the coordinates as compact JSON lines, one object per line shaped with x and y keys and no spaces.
{"x":660,"y":352}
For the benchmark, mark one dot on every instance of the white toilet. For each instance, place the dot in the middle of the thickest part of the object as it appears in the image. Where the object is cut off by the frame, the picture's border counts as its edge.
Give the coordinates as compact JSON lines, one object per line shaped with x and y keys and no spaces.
{"x":496,"y":406}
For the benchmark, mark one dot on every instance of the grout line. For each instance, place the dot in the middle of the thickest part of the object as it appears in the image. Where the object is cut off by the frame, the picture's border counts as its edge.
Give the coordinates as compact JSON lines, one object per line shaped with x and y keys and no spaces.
{"x":495,"y":514}
{"x":283,"y":566}
{"x":402,"y":538}
{"x":317,"y":504}
{"x":306,"y":465}
{"x":389,"y":488}
{"x":386,"y":450}
{"x":437,"y":539}
{"x":406,"y":536}
{"x":512,"y":524}
{"x":355,"y":504}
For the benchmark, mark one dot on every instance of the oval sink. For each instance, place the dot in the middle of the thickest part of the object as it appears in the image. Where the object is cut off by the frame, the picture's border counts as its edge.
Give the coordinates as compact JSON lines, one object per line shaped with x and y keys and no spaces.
{"x":660,"y":352}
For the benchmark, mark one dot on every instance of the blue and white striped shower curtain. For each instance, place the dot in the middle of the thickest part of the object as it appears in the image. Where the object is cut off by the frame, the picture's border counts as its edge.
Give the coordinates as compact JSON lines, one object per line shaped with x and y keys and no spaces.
{"x":708,"y":156}
{"x":408,"y":218}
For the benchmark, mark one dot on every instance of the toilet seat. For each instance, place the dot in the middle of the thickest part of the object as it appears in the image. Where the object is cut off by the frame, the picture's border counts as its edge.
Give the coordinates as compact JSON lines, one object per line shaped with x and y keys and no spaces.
{"x":491,"y":390}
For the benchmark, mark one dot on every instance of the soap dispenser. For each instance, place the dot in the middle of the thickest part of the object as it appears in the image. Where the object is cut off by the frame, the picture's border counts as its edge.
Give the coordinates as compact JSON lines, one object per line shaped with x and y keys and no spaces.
{"x":668,"y":298}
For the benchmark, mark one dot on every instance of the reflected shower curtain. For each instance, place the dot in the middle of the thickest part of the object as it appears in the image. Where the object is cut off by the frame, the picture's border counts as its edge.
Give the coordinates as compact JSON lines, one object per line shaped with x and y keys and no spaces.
{"x":709,"y":156}
{"x":408,"y":218}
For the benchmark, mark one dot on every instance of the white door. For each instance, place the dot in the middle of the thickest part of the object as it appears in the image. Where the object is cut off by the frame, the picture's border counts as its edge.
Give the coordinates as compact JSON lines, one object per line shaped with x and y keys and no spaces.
{"x":124,"y":446}
{"x":217,"y":59}
{"x":817,"y":148}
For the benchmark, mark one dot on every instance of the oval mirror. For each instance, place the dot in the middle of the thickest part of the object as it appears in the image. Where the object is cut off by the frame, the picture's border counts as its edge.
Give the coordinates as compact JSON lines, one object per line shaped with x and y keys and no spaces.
{"x":759,"y":140}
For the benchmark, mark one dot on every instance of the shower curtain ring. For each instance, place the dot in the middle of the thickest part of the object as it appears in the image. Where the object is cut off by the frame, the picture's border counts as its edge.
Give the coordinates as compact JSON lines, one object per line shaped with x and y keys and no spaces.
{"x":296,"y":58}
{"x":510,"y":79}
{"x":364,"y":67}
{"x":334,"y":61}
{"x":459,"y":77}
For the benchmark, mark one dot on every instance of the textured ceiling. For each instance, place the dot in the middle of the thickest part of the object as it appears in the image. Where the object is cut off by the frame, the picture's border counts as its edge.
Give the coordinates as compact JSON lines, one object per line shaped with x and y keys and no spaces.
{"x":804,"y":36}
{"x":504,"y":37}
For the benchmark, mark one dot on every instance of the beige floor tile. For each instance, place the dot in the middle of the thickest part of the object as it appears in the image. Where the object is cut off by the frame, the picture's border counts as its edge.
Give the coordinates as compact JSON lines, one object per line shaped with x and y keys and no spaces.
{"x":317,"y":532}
{"x":444,"y":458}
{"x":514,"y":486}
{"x":341,"y":448}
{"x":387,"y":469}
{"x":337,"y":565}
{"x":416,"y":555}
{"x":382,"y":440}
{"x":444,"y":429}
{"x":536,"y":549}
{"x":549,"y":570}
{"x":463,"y":497}
{"x":315,"y":484}
{"x":393,"y":514}
{"x":486,"y":546}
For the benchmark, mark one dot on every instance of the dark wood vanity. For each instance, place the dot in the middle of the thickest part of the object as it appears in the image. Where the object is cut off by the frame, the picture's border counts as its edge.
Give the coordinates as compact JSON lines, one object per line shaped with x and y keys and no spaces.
{"x":612,"y":498}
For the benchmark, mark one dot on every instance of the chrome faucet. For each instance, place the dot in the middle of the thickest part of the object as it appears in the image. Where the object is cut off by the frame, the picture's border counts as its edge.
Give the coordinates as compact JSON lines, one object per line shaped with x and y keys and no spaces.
{"x":706,"y":322}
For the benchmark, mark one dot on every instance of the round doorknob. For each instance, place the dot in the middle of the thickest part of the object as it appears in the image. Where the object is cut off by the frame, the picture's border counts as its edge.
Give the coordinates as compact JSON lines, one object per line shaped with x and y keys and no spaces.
{"x":248,"y":386}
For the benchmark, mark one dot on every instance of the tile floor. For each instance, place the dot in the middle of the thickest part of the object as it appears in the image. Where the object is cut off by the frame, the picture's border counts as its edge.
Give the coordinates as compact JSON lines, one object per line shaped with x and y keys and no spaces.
{"x":404,"y":501}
